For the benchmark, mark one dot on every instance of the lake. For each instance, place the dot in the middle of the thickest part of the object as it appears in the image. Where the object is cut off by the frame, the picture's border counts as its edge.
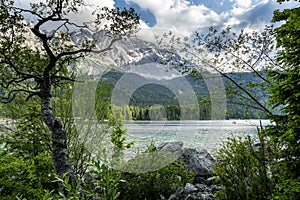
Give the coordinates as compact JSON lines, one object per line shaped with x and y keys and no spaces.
{"x":206,"y":134}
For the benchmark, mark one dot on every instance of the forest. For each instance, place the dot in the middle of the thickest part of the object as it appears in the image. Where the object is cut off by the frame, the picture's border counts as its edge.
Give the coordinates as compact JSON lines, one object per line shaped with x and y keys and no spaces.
{"x":143,"y":99}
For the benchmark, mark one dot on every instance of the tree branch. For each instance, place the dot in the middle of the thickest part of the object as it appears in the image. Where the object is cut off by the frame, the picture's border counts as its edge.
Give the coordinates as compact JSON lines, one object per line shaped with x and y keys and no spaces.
{"x":234,"y":82}
{"x":246,"y":63}
{"x":246,"y":105}
{"x":10,"y":96}
{"x":17,"y":70}
{"x":109,"y":47}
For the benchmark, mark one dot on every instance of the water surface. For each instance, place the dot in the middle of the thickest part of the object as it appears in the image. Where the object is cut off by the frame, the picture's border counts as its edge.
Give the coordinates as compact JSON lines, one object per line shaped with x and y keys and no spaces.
{"x":197,"y":134}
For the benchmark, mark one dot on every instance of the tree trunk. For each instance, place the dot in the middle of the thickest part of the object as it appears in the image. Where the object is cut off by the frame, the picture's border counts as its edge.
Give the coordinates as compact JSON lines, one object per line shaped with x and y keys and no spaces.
{"x":59,"y":137}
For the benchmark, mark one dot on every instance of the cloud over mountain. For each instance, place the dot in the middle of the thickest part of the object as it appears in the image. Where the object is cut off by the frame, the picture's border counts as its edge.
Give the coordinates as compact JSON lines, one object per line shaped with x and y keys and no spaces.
{"x":186,"y":16}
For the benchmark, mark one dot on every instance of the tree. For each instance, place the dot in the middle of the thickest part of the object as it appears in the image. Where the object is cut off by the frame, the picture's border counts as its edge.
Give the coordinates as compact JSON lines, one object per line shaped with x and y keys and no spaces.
{"x":38,"y":65}
{"x":285,"y":95}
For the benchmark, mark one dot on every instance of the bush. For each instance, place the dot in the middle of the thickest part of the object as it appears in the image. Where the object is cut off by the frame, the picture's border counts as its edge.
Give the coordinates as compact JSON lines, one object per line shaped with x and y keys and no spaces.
{"x":241,"y":170}
{"x":151,"y":185}
{"x":26,"y":178}
{"x":286,"y":189}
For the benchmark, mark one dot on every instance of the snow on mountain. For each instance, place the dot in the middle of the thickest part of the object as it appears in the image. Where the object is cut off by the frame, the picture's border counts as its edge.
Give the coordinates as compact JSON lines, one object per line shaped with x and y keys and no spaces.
{"x":128,"y":53}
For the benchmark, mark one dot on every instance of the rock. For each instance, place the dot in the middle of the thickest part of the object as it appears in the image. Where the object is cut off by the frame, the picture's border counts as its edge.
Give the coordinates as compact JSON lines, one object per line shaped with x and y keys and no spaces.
{"x":207,"y":196}
{"x":198,"y":161}
{"x":192,"y":192}
{"x":215,"y":188}
{"x":171,"y":148}
{"x":189,"y":188}
{"x":179,"y":190}
{"x":201,"y":163}
{"x":199,"y":179}
{"x":202,"y":187}
{"x":173,"y":197}
{"x":210,"y":180}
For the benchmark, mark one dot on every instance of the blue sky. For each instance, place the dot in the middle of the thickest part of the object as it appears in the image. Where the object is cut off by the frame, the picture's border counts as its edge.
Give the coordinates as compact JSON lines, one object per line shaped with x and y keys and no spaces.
{"x":186,"y":16}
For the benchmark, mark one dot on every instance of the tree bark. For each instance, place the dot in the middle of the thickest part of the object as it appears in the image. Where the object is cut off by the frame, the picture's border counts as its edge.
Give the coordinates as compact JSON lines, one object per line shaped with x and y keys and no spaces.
{"x":60,"y":154}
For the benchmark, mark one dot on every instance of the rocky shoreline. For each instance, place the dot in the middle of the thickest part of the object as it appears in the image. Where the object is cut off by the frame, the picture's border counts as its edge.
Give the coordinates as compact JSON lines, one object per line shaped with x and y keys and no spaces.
{"x":198,"y":161}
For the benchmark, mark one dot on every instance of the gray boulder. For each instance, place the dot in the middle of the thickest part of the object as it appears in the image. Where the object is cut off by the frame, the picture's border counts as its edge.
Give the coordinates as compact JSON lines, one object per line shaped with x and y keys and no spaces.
{"x":200,"y":162}
{"x":171,"y":148}
{"x":189,"y":188}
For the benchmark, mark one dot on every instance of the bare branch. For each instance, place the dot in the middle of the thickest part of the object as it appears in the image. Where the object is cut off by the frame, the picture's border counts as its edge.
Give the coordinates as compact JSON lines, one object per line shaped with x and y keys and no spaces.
{"x":59,"y":78}
{"x":246,"y":63}
{"x":234,"y":82}
{"x":17,"y":70}
{"x":20,"y":10}
{"x":246,"y":105}
{"x":109,"y":47}
{"x":44,"y":39}
{"x":237,"y":94}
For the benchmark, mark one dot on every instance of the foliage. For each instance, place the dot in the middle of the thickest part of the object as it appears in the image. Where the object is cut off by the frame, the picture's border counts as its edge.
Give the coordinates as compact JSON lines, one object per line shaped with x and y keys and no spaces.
{"x":287,"y":35}
{"x":105,"y":183}
{"x":26,"y":166}
{"x":286,"y":189}
{"x":242,"y":169}
{"x":81,"y":135}
{"x":147,"y":176}
{"x":27,"y":135}
{"x":285,"y":95}
{"x":26,"y":178}
{"x":158,"y":102}
{"x":37,"y":66}
{"x":103,"y":97}
{"x":107,"y":180}
{"x":151,"y":185}
{"x":79,"y":154}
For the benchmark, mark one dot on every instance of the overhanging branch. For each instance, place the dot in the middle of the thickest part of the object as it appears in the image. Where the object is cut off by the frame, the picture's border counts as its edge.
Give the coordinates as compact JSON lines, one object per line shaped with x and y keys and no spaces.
{"x":11,"y":95}
{"x":234,"y":82}
{"x":70,"y":53}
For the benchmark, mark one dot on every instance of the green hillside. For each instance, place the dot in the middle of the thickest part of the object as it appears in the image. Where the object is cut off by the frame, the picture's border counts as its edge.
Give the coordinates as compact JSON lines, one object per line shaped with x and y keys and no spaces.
{"x":145,"y":97}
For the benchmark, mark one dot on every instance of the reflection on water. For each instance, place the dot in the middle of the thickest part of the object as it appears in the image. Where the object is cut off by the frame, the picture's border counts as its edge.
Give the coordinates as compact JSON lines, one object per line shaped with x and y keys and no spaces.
{"x":197,"y":134}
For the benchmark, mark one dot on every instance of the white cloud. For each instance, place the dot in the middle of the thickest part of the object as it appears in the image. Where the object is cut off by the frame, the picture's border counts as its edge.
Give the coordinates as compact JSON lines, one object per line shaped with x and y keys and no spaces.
{"x":179,"y":15}
{"x":186,"y":17}
{"x":252,"y":14}
{"x":243,"y":3}
{"x":84,"y":12}
{"x":241,"y":7}
{"x":232,"y":21}
{"x":102,"y":3}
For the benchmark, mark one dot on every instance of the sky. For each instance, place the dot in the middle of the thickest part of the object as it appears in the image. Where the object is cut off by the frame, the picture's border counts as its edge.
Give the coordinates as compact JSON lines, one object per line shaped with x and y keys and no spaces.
{"x":187,"y":16}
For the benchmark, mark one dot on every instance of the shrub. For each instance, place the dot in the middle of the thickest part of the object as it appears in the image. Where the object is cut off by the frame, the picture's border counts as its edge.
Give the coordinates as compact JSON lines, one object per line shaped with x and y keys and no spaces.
{"x":241,"y":170}
{"x":151,"y":185}
{"x":26,"y":178}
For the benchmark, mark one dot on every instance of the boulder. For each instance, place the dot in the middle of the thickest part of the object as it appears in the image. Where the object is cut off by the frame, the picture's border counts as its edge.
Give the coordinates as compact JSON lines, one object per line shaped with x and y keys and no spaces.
{"x":198,"y":161}
{"x":189,"y":188}
{"x":202,"y":187}
{"x":173,"y":197}
{"x":171,"y":148}
{"x":207,"y":196}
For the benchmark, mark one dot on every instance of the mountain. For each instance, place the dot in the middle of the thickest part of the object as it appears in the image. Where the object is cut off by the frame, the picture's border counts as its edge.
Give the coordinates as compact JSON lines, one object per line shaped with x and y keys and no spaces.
{"x":151,"y":93}
{"x":138,"y":77}
{"x":124,"y":52}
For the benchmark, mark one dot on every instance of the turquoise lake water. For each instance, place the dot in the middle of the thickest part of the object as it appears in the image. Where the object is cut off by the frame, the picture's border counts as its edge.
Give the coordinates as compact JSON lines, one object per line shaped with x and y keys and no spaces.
{"x":196,"y":134}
